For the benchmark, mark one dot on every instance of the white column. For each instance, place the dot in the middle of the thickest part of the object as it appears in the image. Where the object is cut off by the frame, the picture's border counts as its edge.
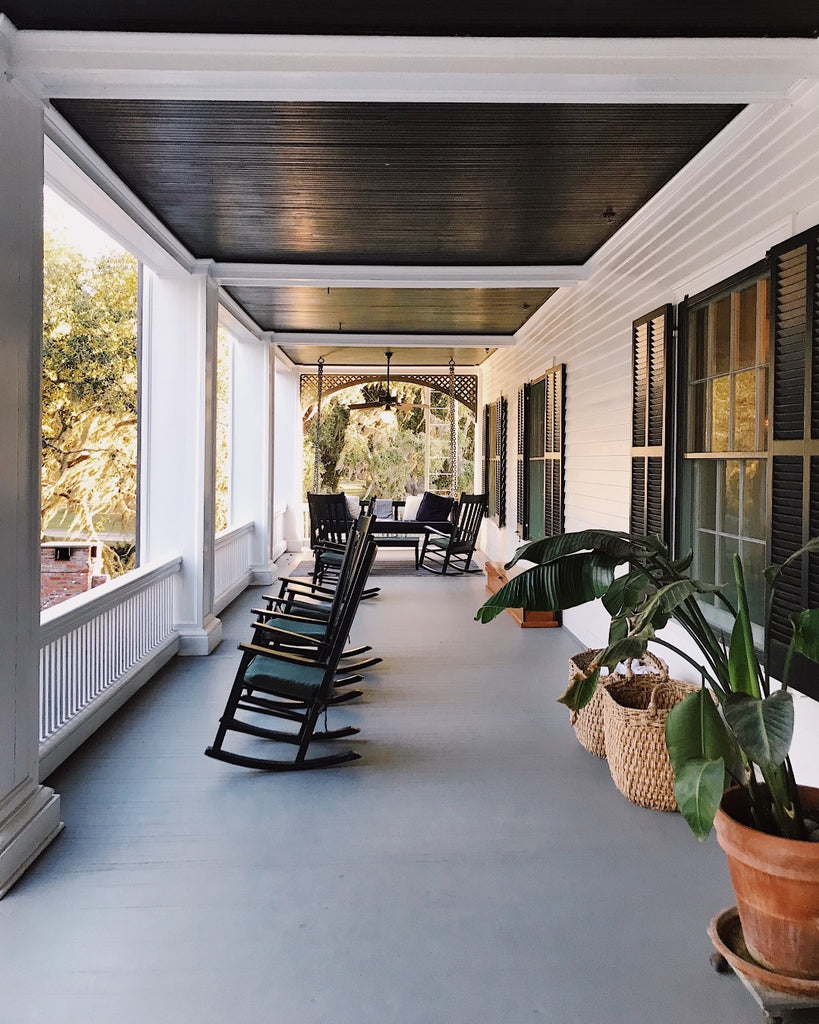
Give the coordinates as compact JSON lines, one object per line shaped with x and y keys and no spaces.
{"x":178,"y":444}
{"x":29,"y":812}
{"x":252,"y":449}
{"x":287,"y":486}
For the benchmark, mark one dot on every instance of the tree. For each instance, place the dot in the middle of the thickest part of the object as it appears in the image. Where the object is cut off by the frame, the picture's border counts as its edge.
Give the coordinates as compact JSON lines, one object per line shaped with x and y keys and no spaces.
{"x":89,"y":414}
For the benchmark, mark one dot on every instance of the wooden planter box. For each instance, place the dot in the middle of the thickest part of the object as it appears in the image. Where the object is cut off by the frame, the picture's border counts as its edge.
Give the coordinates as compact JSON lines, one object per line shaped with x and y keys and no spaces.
{"x":496,"y":577}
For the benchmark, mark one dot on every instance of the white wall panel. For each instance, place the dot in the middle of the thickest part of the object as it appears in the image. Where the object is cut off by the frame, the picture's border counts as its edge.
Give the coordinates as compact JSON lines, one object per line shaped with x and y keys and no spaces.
{"x":753,"y":186}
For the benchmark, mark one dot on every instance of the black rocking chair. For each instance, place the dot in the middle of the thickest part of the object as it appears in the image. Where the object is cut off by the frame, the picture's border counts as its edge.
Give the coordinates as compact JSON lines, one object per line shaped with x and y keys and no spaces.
{"x":454,"y":550}
{"x":297,"y":688}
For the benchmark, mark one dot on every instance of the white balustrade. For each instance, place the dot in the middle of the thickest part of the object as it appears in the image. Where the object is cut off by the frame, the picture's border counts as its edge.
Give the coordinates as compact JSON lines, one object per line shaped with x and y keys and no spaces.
{"x":97,"y":649}
{"x":233,"y":555}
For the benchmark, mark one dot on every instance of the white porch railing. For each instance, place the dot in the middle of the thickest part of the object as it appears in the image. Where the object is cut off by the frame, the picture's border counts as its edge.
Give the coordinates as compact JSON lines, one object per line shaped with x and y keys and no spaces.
{"x":232,"y":570}
{"x":96,"y":650}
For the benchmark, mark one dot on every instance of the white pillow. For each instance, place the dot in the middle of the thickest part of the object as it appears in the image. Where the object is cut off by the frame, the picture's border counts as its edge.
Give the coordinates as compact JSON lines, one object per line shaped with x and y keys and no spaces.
{"x":412,"y":503}
{"x":353,"y":505}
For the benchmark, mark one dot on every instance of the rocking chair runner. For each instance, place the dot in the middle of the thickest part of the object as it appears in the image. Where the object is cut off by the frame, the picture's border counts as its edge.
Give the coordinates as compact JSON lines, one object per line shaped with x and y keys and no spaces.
{"x":457,"y":547}
{"x":292,"y":687}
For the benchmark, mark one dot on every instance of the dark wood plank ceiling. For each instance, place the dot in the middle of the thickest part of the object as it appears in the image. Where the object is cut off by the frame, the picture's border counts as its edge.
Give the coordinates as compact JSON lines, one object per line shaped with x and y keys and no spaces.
{"x":396,"y":310}
{"x":395,"y":183}
{"x":428,"y":17}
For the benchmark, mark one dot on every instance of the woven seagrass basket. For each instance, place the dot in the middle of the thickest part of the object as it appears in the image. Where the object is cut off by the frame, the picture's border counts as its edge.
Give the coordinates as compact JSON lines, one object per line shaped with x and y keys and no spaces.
{"x":635,"y":709}
{"x":588,"y":721}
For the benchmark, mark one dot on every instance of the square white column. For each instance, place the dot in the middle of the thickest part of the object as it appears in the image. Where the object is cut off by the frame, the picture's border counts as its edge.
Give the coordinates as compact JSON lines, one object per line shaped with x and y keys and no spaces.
{"x":252,"y":449}
{"x":178,"y":444}
{"x":29,"y":812}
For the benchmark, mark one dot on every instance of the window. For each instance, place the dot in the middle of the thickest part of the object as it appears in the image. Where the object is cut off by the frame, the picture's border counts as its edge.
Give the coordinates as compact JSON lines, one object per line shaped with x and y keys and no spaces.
{"x":494,"y":471}
{"x":224,"y":393}
{"x":725,"y":483}
{"x":541,"y":424}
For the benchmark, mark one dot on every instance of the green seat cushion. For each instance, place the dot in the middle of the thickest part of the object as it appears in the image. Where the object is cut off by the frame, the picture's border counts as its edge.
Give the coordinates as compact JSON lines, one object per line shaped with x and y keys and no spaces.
{"x":284,"y":679}
{"x":331,"y":557}
{"x":438,"y":542}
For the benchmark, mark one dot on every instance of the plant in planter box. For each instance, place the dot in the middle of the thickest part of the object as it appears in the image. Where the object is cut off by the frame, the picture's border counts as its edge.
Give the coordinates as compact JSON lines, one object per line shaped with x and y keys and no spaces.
{"x":734,"y":731}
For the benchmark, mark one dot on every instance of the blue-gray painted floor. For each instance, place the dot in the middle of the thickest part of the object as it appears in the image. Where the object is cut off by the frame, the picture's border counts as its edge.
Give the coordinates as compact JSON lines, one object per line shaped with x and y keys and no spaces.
{"x":475,"y":867}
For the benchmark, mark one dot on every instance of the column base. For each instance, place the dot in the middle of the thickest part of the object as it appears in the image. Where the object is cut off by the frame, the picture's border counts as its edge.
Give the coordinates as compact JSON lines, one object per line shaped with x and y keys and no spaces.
{"x":198,"y":641}
{"x":26,"y":832}
{"x":263,"y":574}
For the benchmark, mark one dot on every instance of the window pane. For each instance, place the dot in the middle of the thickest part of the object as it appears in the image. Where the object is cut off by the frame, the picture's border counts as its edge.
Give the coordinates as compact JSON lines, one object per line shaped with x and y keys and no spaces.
{"x":703,"y":567}
{"x":720,"y":414}
{"x":706,"y":485}
{"x":537,"y":410}
{"x":720,"y":361}
{"x":537,"y":521}
{"x":745,"y":354}
{"x":698,"y":345}
{"x":729,"y":547}
{"x":762,"y":414}
{"x":745,"y":387}
{"x":729,"y":518}
{"x":753,"y":565}
{"x":763,"y":292}
{"x":697,"y":441}
{"x":754,"y":498}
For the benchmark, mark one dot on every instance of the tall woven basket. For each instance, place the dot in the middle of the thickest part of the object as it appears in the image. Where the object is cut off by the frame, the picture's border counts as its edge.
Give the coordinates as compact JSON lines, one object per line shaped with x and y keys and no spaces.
{"x":635,"y":710}
{"x":588,"y":721}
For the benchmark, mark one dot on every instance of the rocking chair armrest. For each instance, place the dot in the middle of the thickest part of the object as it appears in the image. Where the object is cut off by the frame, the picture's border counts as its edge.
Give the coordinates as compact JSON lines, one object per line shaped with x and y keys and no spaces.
{"x":261,"y":624}
{"x":303,"y":581}
{"x":295,"y":659}
{"x":440,"y":533}
{"x":328,"y":545}
{"x":300,"y":616}
{"x":287,"y":636}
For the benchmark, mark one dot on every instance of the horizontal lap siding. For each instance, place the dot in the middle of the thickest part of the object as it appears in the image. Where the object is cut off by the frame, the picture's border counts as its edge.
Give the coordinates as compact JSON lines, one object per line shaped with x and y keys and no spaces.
{"x":753,"y":186}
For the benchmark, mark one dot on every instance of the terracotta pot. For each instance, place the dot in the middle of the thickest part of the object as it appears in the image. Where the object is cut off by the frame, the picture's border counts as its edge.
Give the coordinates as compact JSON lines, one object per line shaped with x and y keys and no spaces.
{"x":776,"y":882}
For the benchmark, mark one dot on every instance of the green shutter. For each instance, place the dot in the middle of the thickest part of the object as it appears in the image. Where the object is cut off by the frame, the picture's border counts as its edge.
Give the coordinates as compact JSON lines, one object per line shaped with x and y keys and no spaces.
{"x":650,"y":337}
{"x":794,"y":448}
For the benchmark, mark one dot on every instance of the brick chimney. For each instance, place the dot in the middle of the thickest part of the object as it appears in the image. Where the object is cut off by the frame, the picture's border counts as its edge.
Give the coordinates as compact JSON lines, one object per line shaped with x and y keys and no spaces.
{"x":67,"y":569}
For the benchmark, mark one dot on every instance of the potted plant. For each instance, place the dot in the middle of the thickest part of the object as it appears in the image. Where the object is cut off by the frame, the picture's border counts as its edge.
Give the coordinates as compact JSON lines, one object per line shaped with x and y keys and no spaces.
{"x":728,"y":741}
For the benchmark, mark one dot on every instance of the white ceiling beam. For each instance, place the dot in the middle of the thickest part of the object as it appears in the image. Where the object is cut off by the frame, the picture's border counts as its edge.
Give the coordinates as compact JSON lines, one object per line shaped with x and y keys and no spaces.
{"x":335,"y":339}
{"x":288,"y":275}
{"x":417,"y":69}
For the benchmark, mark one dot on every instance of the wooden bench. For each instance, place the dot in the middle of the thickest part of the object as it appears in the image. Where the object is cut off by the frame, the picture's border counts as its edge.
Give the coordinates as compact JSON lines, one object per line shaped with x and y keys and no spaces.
{"x":496,"y":577}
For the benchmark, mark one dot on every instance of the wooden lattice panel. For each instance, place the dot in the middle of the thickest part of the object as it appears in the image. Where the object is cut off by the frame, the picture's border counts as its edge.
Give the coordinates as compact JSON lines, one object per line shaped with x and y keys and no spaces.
{"x":466,"y":384}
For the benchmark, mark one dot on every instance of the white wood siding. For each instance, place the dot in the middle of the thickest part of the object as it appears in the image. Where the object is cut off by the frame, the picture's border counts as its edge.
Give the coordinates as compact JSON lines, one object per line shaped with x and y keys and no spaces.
{"x":756,"y":184}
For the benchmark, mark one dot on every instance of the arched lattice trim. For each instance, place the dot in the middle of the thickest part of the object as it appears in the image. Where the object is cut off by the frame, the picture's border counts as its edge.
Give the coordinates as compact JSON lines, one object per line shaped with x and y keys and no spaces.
{"x":466,"y":384}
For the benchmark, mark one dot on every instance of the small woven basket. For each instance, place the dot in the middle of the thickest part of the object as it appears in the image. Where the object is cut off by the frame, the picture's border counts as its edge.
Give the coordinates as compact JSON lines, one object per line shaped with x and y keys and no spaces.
{"x":588,"y":721}
{"x":635,"y":709}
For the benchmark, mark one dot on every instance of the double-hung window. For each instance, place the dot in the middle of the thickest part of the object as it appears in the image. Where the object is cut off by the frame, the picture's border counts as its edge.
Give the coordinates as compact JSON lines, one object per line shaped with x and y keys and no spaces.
{"x":725,"y":360}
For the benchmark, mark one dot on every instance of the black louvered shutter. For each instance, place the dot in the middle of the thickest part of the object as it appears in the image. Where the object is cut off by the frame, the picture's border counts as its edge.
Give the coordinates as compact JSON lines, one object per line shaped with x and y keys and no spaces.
{"x":501,"y":415}
{"x":650,"y":338}
{"x":522,"y":457}
{"x":553,"y":447}
{"x":488,"y":469}
{"x":794,"y":445}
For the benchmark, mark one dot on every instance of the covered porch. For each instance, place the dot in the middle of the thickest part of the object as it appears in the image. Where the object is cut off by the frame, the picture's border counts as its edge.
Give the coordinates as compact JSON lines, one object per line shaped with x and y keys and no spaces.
{"x":476,"y":865}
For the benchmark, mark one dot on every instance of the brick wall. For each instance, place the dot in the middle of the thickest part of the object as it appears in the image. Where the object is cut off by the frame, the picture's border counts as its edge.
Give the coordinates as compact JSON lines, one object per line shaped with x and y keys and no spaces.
{"x":67,"y":570}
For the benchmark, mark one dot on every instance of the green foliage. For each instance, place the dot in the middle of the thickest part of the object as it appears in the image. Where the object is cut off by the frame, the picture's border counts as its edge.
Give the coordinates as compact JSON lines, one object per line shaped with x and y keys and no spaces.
{"x":335,"y":417}
{"x":89,"y":414}
{"x":747,"y":737}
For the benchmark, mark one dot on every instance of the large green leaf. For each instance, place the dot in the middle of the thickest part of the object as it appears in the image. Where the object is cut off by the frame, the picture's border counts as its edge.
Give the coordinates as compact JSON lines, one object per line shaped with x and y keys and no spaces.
{"x":581,"y":690}
{"x":659,"y":606}
{"x":623,"y":649}
{"x":627,"y":592}
{"x":695,"y":729}
{"x":774,"y":572}
{"x":698,"y":789}
{"x":806,"y":633}
{"x":763,"y":728}
{"x":573,"y":580}
{"x":743,"y":667}
{"x":622,"y":547}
